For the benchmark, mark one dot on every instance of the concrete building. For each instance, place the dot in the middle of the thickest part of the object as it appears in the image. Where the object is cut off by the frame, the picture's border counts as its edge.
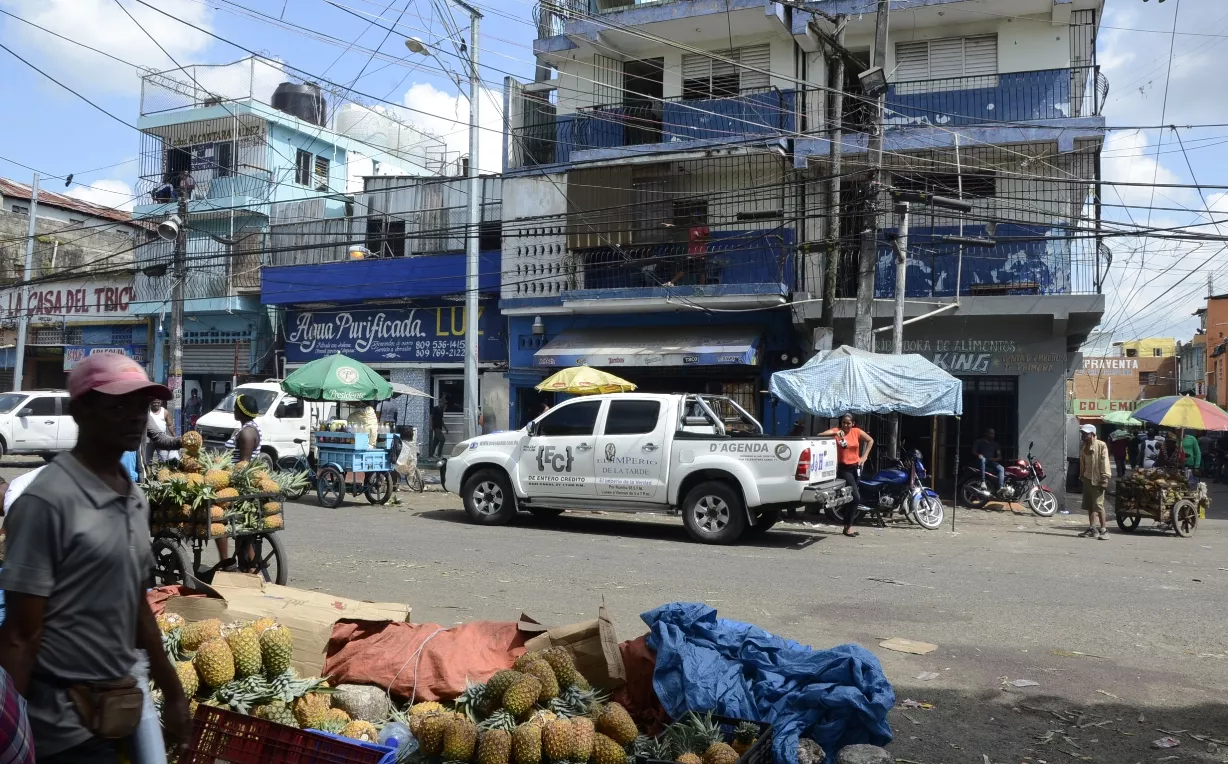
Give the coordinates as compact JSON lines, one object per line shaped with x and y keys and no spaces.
{"x":81,"y":296}
{"x":671,"y":183}
{"x":1192,"y":366}
{"x":260,"y":150}
{"x":1120,"y":383}
{"x":1154,"y":347}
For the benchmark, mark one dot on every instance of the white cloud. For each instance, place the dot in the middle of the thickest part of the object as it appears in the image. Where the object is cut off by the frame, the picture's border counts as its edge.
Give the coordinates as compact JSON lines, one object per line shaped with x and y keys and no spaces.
{"x":102,"y":25}
{"x":1129,"y":157}
{"x":107,"y":192}
{"x":447,"y":116}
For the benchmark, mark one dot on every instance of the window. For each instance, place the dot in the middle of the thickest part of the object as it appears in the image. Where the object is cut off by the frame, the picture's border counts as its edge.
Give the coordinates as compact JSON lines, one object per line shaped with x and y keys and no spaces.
{"x":576,"y":419}
{"x":1131,"y":353}
{"x":321,"y":173}
{"x":632,"y":417}
{"x":303,"y":167}
{"x":21,"y":209}
{"x":1157,"y":352}
{"x":707,"y":76}
{"x":1146,"y":378}
{"x":976,"y":185}
{"x":947,"y":58}
{"x":42,"y":406}
{"x":290,"y":408}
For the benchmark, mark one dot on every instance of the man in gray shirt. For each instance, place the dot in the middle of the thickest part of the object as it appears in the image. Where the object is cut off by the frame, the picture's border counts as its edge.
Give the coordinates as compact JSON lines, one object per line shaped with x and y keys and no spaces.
{"x":78,"y":560}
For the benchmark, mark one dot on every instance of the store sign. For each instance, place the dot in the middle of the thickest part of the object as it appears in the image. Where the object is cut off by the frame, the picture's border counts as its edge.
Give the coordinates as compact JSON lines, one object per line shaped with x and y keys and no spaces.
{"x":1111,"y":366}
{"x":77,"y":298}
{"x":1100,"y":407}
{"x":375,"y":336}
{"x":75,"y":354}
{"x":981,"y":356}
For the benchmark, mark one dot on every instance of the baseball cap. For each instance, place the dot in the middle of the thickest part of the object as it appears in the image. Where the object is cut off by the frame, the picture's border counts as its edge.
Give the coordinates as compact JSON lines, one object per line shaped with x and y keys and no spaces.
{"x":112,"y":374}
{"x":1090,"y":429}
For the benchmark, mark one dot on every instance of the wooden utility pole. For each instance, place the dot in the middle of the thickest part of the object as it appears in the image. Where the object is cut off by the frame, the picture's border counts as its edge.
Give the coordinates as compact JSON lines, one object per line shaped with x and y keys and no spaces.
{"x":863,"y":323}
{"x":836,"y":152}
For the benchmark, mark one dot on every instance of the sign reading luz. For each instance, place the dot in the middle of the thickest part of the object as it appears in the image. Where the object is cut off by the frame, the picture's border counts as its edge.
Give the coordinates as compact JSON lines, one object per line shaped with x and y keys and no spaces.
{"x":393,"y":335}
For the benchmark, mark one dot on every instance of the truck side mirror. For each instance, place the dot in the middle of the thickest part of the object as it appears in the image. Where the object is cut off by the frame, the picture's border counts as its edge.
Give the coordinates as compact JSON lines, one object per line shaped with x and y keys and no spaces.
{"x":26,"y":412}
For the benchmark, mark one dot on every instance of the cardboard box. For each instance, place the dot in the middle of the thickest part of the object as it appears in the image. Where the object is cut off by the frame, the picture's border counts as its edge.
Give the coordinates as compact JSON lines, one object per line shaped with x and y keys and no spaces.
{"x":309,"y":615}
{"x":592,"y":644}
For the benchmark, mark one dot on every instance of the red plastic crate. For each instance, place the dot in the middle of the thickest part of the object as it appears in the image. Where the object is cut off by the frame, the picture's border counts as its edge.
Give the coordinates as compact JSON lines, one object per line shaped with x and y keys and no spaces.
{"x":224,"y":737}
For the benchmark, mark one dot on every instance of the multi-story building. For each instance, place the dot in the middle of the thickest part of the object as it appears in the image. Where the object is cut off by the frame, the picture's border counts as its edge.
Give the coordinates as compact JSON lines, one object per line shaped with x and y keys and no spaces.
{"x":678,"y":185}
{"x":259,"y":149}
{"x":388,"y":288}
{"x":81,"y":292}
{"x":1192,"y":366}
{"x":1152,"y":347}
{"x":1122,"y":381}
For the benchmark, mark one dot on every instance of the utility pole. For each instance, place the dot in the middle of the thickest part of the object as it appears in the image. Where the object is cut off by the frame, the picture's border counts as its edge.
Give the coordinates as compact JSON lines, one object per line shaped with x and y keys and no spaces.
{"x":174,"y":380}
{"x":472,"y":399}
{"x":900,"y":245}
{"x":23,"y":311}
{"x":836,"y":152}
{"x":863,"y":324}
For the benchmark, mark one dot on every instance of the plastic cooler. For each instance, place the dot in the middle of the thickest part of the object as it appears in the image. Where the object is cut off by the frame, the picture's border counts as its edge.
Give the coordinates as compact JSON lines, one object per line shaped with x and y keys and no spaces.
{"x":224,"y":737}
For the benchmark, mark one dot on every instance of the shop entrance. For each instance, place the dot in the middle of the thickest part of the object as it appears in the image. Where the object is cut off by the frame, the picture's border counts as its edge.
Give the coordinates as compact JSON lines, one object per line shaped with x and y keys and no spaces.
{"x":449,"y":390}
{"x":989,"y":402}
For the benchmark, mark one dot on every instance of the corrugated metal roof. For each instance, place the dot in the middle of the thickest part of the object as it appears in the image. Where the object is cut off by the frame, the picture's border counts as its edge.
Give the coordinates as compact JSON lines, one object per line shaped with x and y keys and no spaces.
{"x":50,"y":198}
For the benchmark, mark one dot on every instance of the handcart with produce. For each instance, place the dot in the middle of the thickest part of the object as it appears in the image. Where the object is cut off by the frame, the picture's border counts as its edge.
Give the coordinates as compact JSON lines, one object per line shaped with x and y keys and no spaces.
{"x":1164,"y":495}
{"x":203,"y":497}
{"x":341,"y":454}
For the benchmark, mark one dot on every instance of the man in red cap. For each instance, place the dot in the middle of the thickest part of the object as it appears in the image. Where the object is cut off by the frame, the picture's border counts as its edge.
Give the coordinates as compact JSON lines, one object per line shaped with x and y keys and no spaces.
{"x":78,"y":561}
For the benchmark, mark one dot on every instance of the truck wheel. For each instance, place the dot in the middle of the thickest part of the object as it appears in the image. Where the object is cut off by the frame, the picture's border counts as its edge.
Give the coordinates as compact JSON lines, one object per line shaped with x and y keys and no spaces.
{"x":763,"y":523}
{"x":488,"y":498}
{"x":713,"y":513}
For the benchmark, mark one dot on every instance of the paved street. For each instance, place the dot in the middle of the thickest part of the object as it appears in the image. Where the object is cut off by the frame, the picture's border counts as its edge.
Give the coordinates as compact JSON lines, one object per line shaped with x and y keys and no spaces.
{"x":1124,"y":637}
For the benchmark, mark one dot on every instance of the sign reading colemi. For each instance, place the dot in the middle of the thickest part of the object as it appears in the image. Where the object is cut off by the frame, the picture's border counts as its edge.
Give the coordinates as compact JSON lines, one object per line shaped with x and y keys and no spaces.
{"x":72,"y":299}
{"x":1085,"y":407}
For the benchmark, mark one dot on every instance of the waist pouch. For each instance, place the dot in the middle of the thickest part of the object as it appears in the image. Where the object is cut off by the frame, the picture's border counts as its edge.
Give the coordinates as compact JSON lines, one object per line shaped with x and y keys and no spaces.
{"x":111,"y":709}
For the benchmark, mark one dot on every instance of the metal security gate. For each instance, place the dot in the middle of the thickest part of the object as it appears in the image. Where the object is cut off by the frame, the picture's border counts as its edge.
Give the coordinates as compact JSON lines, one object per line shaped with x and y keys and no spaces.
{"x":217,"y":358}
{"x":990,"y":402}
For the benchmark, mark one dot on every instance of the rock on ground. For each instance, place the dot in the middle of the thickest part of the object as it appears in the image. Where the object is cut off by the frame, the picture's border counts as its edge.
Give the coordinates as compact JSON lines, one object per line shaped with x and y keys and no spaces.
{"x":809,"y":752}
{"x":864,"y":754}
{"x":363,"y":702}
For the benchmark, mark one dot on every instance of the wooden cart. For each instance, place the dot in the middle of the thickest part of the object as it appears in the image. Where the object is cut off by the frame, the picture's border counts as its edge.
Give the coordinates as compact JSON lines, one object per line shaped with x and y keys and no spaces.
{"x":173,"y":532}
{"x":1171,"y":506}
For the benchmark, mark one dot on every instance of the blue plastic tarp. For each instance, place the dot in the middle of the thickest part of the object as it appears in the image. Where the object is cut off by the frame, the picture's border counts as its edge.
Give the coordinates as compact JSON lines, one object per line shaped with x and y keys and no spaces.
{"x":838,"y":697}
{"x":846,"y":380}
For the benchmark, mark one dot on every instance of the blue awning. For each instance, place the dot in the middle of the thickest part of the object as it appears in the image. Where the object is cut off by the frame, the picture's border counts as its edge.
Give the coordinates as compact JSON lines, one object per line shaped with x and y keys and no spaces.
{"x":652,"y":347}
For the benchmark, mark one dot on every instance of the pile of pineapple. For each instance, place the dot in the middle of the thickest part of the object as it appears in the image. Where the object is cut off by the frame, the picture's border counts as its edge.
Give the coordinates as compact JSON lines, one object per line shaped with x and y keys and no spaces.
{"x":245,"y":667}
{"x":543,"y":711}
{"x":196,"y":496}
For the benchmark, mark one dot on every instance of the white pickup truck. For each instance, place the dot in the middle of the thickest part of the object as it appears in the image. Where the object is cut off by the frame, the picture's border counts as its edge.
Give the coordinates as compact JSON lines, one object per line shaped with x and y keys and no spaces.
{"x":700,"y":455}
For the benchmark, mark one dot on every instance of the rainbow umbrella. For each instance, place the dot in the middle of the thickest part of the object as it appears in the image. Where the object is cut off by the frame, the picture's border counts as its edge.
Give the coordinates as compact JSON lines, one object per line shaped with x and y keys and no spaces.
{"x":1183,"y":412}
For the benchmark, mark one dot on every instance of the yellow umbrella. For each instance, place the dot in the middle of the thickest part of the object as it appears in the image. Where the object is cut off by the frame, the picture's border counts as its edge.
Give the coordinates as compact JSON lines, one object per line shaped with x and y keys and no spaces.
{"x":584,"y":380}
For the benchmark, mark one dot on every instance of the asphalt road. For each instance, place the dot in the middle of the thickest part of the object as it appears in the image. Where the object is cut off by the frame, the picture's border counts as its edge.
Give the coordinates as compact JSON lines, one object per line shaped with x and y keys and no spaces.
{"x":1125,"y":638}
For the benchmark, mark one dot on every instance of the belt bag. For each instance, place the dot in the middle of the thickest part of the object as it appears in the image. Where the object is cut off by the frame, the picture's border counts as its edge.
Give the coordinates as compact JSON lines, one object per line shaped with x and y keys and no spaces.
{"x":112,"y":709}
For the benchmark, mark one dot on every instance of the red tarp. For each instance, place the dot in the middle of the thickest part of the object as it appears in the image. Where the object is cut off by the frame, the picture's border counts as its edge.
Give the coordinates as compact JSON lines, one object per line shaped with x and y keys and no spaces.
{"x":637,"y":696}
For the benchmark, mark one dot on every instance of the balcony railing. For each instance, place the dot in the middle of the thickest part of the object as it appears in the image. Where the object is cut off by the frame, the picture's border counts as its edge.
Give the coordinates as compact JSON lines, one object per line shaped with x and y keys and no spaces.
{"x":214,"y":270}
{"x":1016,"y":97}
{"x":246,"y":182}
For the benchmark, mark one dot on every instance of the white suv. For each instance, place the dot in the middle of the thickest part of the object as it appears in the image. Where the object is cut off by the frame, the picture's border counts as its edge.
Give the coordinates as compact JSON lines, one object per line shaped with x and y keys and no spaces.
{"x":36,"y":422}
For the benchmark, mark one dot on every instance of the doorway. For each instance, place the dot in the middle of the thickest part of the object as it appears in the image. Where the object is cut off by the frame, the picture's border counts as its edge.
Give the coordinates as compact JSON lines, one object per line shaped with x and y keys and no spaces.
{"x":449,"y":390}
{"x":643,"y":88}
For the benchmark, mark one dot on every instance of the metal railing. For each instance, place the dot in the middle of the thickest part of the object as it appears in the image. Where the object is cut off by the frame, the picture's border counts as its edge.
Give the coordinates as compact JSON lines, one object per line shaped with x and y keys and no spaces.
{"x":551,"y":16}
{"x":208,"y":271}
{"x":1014,"y":97}
{"x":244,"y":182}
{"x":739,"y":258}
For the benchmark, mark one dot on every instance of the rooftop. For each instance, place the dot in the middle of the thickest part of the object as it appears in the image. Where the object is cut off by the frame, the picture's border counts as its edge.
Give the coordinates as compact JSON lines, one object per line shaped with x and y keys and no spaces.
{"x":17,"y":190}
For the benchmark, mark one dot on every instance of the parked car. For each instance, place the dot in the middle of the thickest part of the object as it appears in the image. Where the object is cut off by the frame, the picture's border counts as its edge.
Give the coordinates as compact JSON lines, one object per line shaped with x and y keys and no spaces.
{"x":701,"y":455}
{"x":36,"y":422}
{"x":282,"y":419}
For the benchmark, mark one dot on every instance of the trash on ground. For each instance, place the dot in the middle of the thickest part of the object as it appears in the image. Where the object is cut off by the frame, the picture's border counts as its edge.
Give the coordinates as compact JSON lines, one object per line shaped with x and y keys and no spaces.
{"x":910,"y":703}
{"x":926,"y":676}
{"x":1024,"y":683}
{"x":1108,"y":694}
{"x":901,"y":645}
{"x":1166,"y":742}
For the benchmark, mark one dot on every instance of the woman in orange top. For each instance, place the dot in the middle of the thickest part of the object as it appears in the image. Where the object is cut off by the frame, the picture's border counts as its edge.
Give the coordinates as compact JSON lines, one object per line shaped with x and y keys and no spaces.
{"x":853,"y":446}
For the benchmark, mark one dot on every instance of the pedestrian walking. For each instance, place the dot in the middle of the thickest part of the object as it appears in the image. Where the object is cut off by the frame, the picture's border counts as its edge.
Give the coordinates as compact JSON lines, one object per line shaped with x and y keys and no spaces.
{"x":160,"y":420}
{"x":853,"y":448}
{"x":78,"y":563}
{"x":438,"y":428}
{"x":1119,"y":443}
{"x":1193,"y":453}
{"x":1134,"y":448}
{"x":1094,"y":471}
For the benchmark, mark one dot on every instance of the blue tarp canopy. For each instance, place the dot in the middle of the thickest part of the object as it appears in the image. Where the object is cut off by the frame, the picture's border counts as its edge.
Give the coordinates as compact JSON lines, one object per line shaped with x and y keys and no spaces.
{"x":847,"y":380}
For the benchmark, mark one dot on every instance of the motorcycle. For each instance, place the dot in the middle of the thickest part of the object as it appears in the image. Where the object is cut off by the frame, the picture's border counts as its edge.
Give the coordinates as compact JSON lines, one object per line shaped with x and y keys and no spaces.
{"x":1022,"y":485}
{"x":898,"y":489}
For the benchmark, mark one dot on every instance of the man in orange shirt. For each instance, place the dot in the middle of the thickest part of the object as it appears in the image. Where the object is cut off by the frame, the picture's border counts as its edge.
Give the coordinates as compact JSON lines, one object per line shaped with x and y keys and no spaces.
{"x":853,"y":448}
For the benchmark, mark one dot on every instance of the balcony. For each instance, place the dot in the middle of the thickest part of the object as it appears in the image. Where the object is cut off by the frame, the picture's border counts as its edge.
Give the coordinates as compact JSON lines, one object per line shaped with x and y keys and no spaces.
{"x":547,"y":138}
{"x":248,"y":188}
{"x":216,"y":273}
{"x":1036,"y":96}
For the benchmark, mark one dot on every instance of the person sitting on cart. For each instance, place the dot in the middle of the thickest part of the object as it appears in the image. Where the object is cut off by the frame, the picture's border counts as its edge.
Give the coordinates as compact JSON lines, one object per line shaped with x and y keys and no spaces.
{"x":1170,"y":453}
{"x":245,"y":444}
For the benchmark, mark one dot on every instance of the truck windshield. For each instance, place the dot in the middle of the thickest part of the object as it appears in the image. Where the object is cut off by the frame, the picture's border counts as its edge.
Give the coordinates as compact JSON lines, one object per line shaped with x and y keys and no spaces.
{"x":9,"y":401}
{"x":263,"y":398}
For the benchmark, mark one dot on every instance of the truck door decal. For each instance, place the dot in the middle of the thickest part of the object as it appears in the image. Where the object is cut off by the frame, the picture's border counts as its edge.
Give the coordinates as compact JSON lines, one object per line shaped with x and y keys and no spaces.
{"x":559,"y":461}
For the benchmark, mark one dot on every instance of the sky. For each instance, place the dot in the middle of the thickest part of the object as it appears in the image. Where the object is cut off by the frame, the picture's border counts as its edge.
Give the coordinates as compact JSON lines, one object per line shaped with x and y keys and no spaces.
{"x":1152,"y":287}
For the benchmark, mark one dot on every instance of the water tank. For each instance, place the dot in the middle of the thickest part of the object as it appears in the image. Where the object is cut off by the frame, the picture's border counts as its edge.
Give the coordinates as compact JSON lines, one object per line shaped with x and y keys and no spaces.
{"x":303,"y":101}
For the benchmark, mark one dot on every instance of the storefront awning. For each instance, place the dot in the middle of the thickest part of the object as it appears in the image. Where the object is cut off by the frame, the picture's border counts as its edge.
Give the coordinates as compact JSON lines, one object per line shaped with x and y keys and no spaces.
{"x":651,"y":347}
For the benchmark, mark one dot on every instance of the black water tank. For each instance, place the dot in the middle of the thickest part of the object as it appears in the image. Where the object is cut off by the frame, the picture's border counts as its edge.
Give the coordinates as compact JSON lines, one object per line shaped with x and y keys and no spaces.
{"x":302,"y":101}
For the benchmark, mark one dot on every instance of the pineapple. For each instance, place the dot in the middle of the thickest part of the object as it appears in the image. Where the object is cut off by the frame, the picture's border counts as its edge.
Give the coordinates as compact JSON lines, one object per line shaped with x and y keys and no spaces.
{"x":430,"y":733}
{"x":614,"y":722}
{"x":689,"y":758}
{"x":190,"y":465}
{"x":744,"y":736}
{"x":310,"y":710}
{"x":217,"y":513}
{"x":272,"y":523}
{"x":426,"y":707}
{"x":720,"y":753}
{"x":606,"y":751}
{"x":527,"y":745}
{"x":196,"y":634}
{"x":545,"y":675}
{"x":494,"y":747}
{"x":245,"y":644}
{"x":276,"y":648}
{"x":164,"y":475}
{"x":501,"y":719}
{"x":217,"y":479}
{"x":542,"y":718}
{"x":215,"y":529}
{"x":564,"y":666}
{"x":187,"y":677}
{"x":267,"y":484}
{"x":196,"y":480}
{"x":559,"y":740}
{"x":215,"y":663}
{"x":277,"y":712}
{"x":168,"y":622}
{"x":260,"y":624}
{"x":185,"y":511}
{"x":334,"y":720}
{"x":192,"y":441}
{"x":521,"y":696}
{"x":459,"y":739}
{"x":496,"y":686}
{"x":360,"y":730}
{"x":524,"y":660}
{"x":272,"y":507}
{"x":224,"y":496}
{"x":584,"y":732}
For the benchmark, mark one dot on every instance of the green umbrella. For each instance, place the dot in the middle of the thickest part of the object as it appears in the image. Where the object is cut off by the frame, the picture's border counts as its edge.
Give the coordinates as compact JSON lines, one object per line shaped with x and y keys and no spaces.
{"x":1123,"y":418}
{"x":337,"y":378}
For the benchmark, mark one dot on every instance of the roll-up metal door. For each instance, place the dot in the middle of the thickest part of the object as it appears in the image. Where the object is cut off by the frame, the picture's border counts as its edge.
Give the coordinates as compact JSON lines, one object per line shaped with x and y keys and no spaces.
{"x":216,"y":358}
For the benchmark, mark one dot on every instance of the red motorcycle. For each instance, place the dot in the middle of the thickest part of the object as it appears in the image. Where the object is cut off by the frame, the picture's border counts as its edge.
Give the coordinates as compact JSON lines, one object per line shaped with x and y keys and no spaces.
{"x":1022,"y":486}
